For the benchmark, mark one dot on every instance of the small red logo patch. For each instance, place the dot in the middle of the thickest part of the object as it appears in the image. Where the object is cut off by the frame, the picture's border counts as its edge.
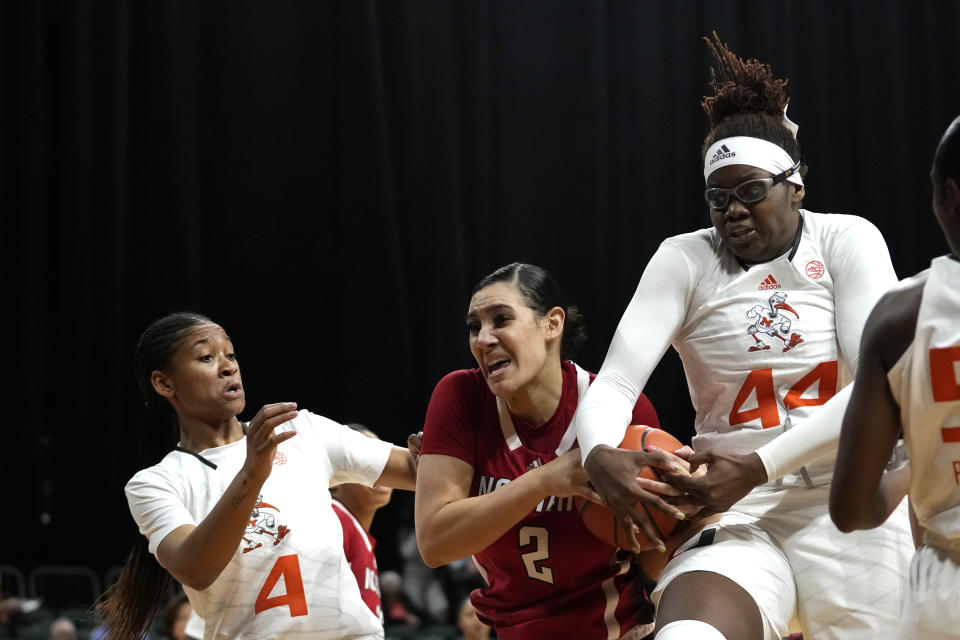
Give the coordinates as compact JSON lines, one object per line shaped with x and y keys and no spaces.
{"x":769,"y":283}
{"x":815,"y":269}
{"x":280,"y":458}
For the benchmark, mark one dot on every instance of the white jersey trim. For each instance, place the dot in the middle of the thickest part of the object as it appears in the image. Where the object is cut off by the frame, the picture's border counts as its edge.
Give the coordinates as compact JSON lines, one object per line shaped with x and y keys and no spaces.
{"x":569,"y":436}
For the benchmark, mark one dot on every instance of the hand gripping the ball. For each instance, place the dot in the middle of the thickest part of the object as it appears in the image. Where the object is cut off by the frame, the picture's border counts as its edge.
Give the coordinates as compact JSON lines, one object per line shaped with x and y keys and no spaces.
{"x":614,"y":475}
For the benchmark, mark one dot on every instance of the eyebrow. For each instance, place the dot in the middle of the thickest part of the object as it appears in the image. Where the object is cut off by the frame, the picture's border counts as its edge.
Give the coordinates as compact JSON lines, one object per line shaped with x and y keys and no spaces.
{"x":206,"y":340}
{"x":490,"y":309}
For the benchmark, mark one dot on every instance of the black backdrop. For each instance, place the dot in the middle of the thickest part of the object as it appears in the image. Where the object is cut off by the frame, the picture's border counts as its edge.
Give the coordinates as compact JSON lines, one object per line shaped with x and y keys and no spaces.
{"x":328,"y":179}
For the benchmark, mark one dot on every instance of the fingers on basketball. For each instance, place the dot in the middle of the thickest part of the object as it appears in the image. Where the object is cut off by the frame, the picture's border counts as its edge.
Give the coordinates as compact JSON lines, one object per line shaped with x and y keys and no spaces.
{"x":601,"y":522}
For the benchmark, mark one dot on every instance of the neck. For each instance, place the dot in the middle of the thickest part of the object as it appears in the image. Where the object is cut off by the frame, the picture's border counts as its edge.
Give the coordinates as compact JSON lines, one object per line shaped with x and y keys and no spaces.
{"x":197,"y":435}
{"x":538,"y":401}
{"x":364,"y":515}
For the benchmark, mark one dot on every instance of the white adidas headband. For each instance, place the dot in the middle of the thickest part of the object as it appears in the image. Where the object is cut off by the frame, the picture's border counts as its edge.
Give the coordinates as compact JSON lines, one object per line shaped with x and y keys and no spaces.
{"x":749,"y":151}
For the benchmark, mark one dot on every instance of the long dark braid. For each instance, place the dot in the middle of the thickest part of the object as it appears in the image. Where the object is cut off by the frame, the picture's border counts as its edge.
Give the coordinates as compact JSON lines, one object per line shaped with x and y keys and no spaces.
{"x":130,"y":605}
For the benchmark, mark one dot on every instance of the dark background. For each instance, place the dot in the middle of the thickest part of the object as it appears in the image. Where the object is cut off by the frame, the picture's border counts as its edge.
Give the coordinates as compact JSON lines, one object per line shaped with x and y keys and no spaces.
{"x":328,"y":179}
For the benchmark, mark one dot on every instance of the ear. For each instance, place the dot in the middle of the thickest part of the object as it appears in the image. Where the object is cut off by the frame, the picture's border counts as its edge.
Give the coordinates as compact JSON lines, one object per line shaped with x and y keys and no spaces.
{"x":797,"y":194}
{"x":162,"y":384}
{"x":554,"y":319}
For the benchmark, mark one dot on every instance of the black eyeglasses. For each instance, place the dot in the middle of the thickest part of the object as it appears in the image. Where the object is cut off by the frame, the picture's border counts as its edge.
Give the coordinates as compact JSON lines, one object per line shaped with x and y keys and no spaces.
{"x":746,"y":192}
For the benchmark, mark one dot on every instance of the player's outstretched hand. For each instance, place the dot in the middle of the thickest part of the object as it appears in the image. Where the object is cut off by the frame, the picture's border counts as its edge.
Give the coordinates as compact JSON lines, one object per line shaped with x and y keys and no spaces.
{"x":414,"y":444}
{"x":613,"y":474}
{"x":728,"y":478}
{"x":262,"y":441}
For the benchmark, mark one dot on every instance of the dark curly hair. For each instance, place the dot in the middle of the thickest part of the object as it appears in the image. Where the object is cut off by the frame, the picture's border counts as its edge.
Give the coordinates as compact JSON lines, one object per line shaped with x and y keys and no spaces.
{"x":747,"y":101}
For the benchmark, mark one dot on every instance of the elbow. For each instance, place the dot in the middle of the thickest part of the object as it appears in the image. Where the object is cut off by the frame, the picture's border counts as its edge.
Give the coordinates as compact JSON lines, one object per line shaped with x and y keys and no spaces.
{"x":197,"y":584}
{"x":196,"y":579}
{"x":844,"y":518}
{"x":843,"y":523}
{"x":433,"y":563}
{"x":431,"y":556}
{"x":854,"y":521}
{"x":431,"y":551}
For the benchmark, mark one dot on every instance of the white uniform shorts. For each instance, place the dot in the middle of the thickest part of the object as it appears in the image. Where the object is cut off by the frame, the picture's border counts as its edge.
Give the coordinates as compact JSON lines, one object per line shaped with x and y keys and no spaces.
{"x":782,"y":548}
{"x":931,"y":609}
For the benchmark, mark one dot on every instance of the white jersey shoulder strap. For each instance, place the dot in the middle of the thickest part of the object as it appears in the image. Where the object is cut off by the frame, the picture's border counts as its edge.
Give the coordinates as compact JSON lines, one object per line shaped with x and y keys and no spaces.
{"x":510,"y":432}
{"x":583,"y":383}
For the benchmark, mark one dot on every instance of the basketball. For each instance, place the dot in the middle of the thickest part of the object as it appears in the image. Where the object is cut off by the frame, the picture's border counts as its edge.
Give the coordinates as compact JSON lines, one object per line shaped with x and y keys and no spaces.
{"x":600,"y":521}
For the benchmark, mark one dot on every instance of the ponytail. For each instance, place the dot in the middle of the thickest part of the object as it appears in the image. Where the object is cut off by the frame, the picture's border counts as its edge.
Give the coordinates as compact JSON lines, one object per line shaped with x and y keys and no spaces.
{"x":129,"y":606}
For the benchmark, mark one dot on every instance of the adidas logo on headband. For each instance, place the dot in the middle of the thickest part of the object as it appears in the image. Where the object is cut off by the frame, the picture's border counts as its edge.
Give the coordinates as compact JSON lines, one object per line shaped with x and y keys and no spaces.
{"x":722,"y":152}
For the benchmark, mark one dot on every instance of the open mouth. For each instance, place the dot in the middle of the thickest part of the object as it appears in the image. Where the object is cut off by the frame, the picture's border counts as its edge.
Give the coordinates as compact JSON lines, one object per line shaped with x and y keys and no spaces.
{"x":741,"y":235}
{"x":234,"y":389}
{"x":497,"y":366}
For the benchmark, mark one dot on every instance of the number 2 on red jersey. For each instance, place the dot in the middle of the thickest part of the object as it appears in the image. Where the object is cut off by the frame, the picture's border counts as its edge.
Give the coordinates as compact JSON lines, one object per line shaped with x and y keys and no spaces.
{"x":759,"y":383}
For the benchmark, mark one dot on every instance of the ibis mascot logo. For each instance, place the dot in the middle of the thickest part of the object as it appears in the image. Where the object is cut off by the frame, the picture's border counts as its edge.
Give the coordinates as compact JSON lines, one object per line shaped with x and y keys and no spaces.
{"x":771,"y":320}
{"x":262,"y":527}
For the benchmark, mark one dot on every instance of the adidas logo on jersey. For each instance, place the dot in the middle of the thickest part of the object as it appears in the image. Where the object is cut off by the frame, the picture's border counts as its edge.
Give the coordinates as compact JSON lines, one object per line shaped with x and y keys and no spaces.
{"x":722,"y":153}
{"x":533,"y":465}
{"x":769,"y":283}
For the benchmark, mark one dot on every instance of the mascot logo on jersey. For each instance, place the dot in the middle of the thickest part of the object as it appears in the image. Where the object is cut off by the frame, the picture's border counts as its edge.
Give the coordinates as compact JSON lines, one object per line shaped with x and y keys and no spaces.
{"x":770,"y":320}
{"x":262,"y":527}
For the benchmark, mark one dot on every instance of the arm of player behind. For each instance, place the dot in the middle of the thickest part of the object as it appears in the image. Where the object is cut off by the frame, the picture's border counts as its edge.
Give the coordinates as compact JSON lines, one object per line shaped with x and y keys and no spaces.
{"x":860,"y":496}
{"x":400,"y":471}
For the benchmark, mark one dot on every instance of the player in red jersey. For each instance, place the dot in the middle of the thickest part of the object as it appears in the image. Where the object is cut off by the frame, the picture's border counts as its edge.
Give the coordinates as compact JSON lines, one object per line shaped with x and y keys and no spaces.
{"x":498,"y":471}
{"x":355,"y":505}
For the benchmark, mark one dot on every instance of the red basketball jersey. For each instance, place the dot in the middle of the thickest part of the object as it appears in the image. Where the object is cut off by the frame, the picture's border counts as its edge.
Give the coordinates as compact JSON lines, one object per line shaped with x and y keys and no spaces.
{"x":548,"y":576}
{"x":358,"y":548}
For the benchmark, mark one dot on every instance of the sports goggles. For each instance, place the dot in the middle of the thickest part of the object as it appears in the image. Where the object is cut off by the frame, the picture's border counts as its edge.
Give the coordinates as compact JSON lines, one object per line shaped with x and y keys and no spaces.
{"x":746,"y":192}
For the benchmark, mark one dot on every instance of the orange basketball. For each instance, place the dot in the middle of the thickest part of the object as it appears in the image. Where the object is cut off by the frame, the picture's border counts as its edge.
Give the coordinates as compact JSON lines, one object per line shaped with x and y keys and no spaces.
{"x":600,"y":520}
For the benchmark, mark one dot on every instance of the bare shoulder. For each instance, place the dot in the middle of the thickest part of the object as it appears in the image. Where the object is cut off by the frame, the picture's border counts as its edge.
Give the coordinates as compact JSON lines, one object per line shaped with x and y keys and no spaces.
{"x":891,"y":326}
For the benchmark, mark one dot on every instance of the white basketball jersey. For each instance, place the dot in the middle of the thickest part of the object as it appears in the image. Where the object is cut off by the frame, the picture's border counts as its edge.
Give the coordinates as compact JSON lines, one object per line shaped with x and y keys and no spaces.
{"x":288,"y":576}
{"x":926,"y":384}
{"x":759,"y":345}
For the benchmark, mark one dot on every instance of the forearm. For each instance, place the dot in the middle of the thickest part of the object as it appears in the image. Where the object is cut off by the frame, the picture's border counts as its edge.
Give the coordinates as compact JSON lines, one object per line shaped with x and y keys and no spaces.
{"x":604,"y":414}
{"x":197,"y":557}
{"x":807,"y":441}
{"x":466,"y":526}
{"x":400,"y":472}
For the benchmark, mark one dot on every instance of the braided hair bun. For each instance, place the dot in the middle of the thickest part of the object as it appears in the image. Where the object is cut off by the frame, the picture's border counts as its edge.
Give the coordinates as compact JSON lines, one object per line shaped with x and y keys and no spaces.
{"x":747,"y":101}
